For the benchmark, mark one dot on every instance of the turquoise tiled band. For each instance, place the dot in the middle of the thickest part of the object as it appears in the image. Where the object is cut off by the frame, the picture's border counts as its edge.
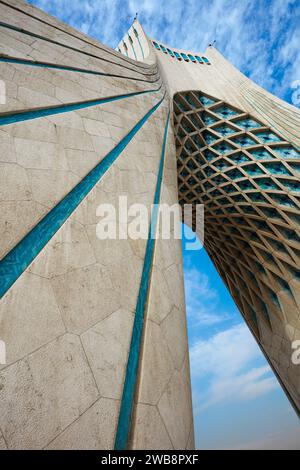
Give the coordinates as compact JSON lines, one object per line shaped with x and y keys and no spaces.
{"x":22,"y":255}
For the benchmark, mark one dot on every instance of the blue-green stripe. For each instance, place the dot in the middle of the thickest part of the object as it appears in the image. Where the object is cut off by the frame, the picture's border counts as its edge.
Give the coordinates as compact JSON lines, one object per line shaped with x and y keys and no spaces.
{"x":124,"y":422}
{"x":22,"y":255}
{"x":33,"y":63}
{"x":140,"y":46}
{"x":132,"y":47}
{"x":20,"y":116}
{"x":66,"y":46}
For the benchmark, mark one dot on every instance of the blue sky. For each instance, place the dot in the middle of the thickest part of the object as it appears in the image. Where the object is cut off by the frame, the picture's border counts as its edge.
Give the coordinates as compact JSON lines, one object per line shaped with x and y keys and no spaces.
{"x":237,"y":400}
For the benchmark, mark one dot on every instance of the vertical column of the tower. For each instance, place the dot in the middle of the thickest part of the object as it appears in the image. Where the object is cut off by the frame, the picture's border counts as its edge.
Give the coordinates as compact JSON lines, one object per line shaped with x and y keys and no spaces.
{"x":163,"y":417}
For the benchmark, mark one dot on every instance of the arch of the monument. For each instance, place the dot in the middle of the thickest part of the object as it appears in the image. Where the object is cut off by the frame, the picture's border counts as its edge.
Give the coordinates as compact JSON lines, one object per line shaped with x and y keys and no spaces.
{"x":247,"y":177}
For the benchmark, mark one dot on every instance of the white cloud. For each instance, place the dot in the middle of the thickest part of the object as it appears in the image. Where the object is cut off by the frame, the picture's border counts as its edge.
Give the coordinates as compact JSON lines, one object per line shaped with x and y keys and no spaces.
{"x":226,"y":362}
{"x":202,"y":300}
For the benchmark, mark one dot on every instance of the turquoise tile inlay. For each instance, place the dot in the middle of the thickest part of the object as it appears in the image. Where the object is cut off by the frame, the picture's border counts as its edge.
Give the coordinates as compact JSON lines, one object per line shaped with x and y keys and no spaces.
{"x":276,"y":168}
{"x":222,"y":165}
{"x":138,"y":39}
{"x":192,"y":166}
{"x":224,"y":201}
{"x":229,"y":189}
{"x":68,"y":68}
{"x":246,"y":185}
{"x":234,"y":174}
{"x":267,"y":184}
{"x":209,"y":155}
{"x":295,"y":218}
{"x":225,"y":112}
{"x":192,"y":181}
{"x":248,"y":123}
{"x":123,"y":428}
{"x":261,"y":154}
{"x":208,"y":171}
{"x":205,"y":100}
{"x":186,"y":126}
{"x":257,"y":197}
{"x":208,"y":119}
{"x":209,"y":137}
{"x":190,"y":196}
{"x":225,"y":130}
{"x":239,"y":158}
{"x":291,"y":185}
{"x":190,"y":100}
{"x":184,"y":188}
{"x":184,"y":173}
{"x":248,"y":209}
{"x":253,"y":170}
{"x":22,"y":255}
{"x":132,"y":46}
{"x":199,"y":158}
{"x":191,"y":57}
{"x":189,"y":147}
{"x":274,"y":298}
{"x":290,"y":235}
{"x":199,"y":59}
{"x":195,"y":121}
{"x":219,"y":179}
{"x":183,"y":108}
{"x":223,"y":148}
{"x":271,"y":213}
{"x":125,"y":48}
{"x":283,"y":200}
{"x":243,"y":141}
{"x":177,"y":55}
{"x":12,"y":118}
{"x":197,"y":141}
{"x":181,"y":55}
{"x":286,"y":152}
{"x":184,"y":56}
{"x":295,"y":167}
{"x":267,"y":137}
{"x":180,"y":133}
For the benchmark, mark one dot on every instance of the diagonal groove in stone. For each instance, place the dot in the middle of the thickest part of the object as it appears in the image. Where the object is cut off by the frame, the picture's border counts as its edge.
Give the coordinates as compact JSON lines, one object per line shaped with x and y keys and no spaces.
{"x":21,"y":256}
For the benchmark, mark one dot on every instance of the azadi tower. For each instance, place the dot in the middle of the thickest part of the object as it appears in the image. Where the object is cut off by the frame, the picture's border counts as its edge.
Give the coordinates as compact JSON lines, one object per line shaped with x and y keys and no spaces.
{"x":95,"y":330}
